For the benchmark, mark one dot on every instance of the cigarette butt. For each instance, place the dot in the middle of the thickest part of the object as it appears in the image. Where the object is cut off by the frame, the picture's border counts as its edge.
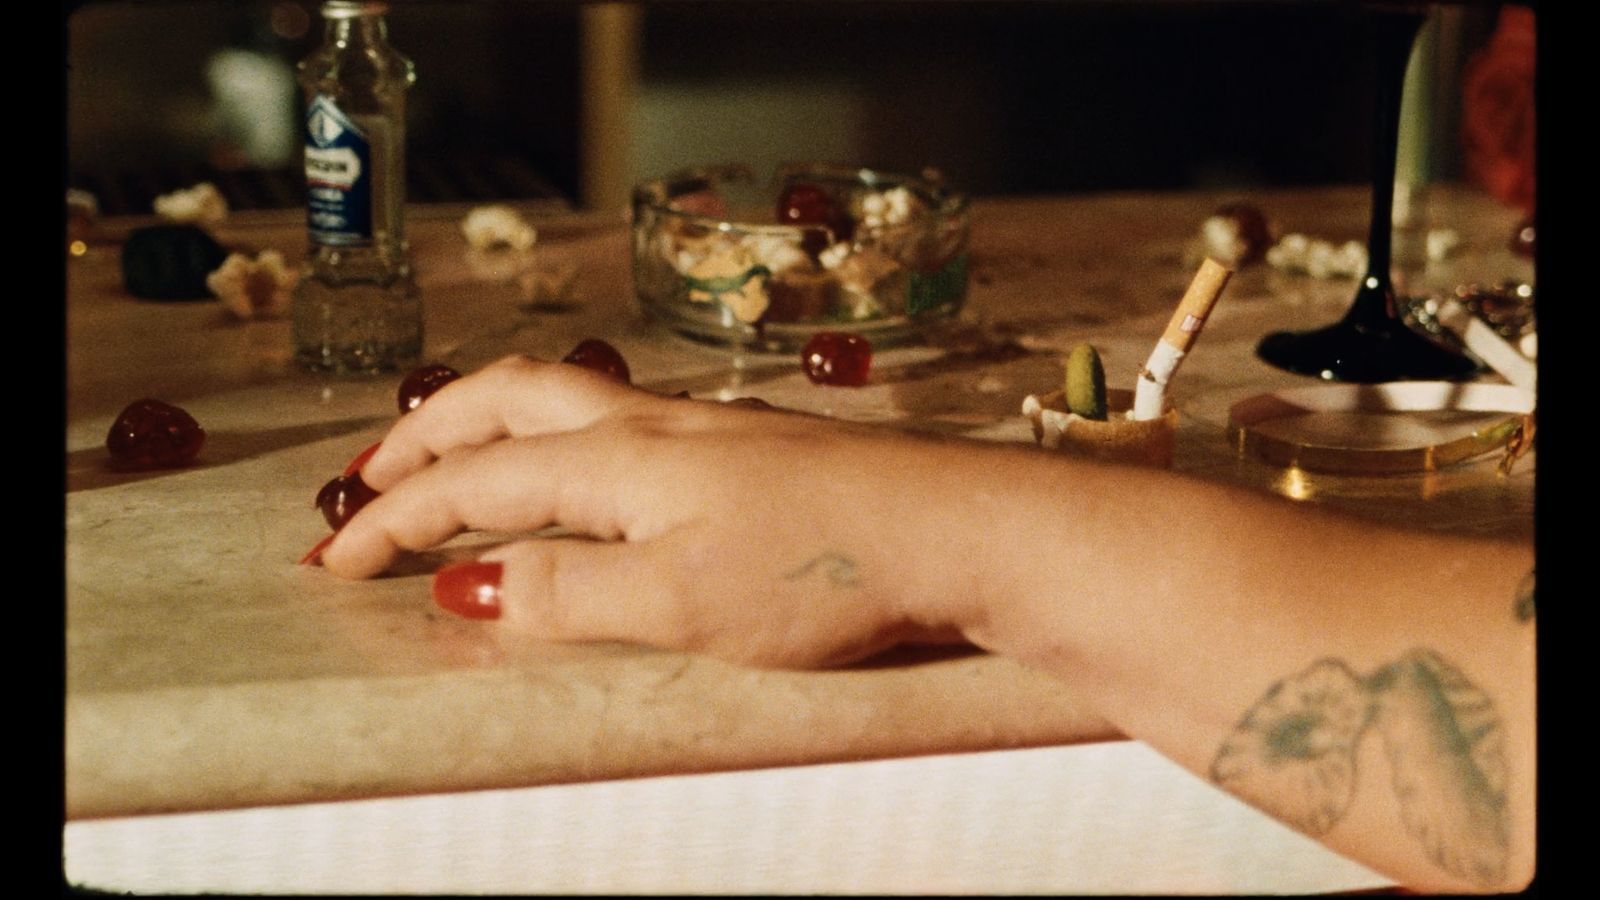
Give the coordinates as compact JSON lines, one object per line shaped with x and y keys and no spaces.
{"x":1151,"y":389}
{"x":1190,"y":316}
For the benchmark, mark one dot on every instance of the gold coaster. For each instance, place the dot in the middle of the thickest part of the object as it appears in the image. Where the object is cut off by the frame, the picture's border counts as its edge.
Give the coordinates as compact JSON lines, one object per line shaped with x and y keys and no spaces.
{"x":1250,"y":421}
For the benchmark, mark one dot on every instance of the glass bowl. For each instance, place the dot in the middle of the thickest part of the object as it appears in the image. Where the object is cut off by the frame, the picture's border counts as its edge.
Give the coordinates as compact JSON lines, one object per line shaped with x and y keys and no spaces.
{"x":712,"y":260}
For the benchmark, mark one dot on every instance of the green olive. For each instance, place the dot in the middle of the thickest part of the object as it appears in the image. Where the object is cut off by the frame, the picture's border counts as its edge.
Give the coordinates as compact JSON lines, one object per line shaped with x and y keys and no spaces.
{"x":1086,"y":383}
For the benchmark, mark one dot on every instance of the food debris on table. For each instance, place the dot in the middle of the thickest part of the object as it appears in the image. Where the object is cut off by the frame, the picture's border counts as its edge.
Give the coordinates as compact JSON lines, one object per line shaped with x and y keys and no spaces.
{"x":547,"y":283}
{"x":1317,"y":257}
{"x":260,"y":288}
{"x":201,"y":204}
{"x":1237,"y":235}
{"x":497,"y":227}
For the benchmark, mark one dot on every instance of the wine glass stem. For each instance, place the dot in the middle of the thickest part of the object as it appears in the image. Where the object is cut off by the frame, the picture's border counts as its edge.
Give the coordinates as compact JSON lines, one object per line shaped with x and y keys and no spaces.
{"x":1396,"y":32}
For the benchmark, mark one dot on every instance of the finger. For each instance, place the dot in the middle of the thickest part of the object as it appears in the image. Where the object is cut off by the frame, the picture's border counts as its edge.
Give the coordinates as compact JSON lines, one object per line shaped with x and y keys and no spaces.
{"x":567,"y":589}
{"x":514,"y":397}
{"x":571,"y":589}
{"x":519,"y":484}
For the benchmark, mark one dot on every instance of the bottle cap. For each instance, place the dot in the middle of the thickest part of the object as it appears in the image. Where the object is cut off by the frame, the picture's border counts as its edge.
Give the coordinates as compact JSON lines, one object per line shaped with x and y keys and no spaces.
{"x":350,"y":9}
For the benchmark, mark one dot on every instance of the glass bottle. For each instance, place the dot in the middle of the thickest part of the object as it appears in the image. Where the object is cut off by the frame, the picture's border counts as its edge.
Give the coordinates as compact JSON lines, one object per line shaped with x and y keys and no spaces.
{"x":357,"y":309}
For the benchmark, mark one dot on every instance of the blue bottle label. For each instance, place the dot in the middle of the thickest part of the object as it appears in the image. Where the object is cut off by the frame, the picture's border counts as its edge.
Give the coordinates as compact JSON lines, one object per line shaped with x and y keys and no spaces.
{"x":338,"y":176}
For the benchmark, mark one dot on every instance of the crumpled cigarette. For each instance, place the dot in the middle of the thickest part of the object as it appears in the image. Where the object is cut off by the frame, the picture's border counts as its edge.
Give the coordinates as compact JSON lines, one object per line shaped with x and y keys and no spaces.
{"x":489,"y":227}
{"x":260,"y":288}
{"x":202,"y":204}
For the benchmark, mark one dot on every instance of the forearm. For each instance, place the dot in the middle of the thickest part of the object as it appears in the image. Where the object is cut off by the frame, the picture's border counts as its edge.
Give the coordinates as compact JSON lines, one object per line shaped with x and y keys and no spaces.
{"x":1177,"y":606}
{"x":1371,"y":686}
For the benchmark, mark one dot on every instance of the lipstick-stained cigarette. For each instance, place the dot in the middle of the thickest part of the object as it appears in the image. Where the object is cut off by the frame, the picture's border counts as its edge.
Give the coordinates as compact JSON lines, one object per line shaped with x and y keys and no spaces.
{"x":1182,"y":330}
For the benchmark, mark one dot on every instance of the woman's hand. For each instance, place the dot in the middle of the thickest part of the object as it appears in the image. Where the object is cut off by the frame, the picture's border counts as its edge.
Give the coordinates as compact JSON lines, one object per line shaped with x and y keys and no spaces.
{"x":765,"y":537}
{"x":1264,"y":645}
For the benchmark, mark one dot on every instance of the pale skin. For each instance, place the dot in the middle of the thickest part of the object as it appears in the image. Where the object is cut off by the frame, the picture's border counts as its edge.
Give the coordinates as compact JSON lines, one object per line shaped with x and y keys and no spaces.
{"x":1371,"y":686}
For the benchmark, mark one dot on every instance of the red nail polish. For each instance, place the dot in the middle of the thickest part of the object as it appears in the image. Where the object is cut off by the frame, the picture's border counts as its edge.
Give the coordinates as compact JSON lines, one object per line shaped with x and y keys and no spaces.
{"x":469,"y":589}
{"x":314,"y":558}
{"x":361,"y":459}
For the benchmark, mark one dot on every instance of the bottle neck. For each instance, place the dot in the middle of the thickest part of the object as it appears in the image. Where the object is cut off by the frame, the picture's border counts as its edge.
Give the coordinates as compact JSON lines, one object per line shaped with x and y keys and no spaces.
{"x":357,"y":32}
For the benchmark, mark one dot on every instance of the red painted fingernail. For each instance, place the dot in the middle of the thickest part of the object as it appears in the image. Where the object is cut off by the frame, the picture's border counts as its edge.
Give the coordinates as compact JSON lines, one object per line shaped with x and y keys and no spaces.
{"x":470,"y":589}
{"x":361,"y":459}
{"x":314,"y":558}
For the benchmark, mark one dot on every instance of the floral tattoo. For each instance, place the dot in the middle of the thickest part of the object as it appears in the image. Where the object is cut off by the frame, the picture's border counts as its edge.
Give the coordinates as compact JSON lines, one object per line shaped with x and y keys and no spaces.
{"x":1294,"y":755}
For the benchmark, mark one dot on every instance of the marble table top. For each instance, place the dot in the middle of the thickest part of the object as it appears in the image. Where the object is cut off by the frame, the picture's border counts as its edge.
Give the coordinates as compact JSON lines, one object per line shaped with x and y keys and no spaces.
{"x":206,"y":670}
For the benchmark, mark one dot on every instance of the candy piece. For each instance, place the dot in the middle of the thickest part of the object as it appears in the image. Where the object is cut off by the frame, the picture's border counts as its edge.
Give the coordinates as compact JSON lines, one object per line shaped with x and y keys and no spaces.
{"x":837,"y":358}
{"x":549,"y":283}
{"x":170,"y":262}
{"x":1085,"y":385}
{"x":704,"y":202}
{"x":798,"y":295}
{"x":777,"y":252}
{"x":803,"y":204}
{"x":1442,"y":243}
{"x":343,"y":497}
{"x":873,"y":282}
{"x":733,"y":278}
{"x":1237,"y":234}
{"x":492,"y":227}
{"x":1317,"y":257}
{"x":202,"y":204}
{"x":260,"y":288}
{"x":421,"y":384}
{"x":896,"y":206}
{"x":150,"y":434}
{"x":600,"y":356}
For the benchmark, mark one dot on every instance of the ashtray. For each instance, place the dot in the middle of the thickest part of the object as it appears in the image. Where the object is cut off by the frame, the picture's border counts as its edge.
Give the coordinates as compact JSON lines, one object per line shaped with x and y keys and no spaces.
{"x":1117,"y":438}
{"x":722,"y":257}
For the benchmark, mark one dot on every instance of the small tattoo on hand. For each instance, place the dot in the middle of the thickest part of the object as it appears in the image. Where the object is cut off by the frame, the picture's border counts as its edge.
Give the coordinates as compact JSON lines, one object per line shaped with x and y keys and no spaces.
{"x":838,"y":569}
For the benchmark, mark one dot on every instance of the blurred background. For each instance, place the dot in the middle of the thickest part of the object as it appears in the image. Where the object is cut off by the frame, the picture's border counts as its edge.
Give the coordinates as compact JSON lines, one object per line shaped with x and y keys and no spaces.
{"x":524,"y":98}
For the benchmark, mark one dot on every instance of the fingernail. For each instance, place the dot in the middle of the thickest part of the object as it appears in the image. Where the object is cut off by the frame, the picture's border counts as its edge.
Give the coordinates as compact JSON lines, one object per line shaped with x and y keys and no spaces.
{"x":314,"y":558}
{"x":361,"y":459}
{"x":469,"y":589}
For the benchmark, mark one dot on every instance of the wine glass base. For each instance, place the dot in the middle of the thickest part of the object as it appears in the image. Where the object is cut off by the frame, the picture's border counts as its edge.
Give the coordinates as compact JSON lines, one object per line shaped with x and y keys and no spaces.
{"x":1366,"y":354}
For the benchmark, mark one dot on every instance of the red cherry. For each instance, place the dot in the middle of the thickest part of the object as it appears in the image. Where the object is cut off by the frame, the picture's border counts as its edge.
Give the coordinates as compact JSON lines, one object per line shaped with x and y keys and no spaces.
{"x":150,"y":434}
{"x":834,"y":357}
{"x":1253,"y":229}
{"x":421,"y":384}
{"x":706,"y":202}
{"x":342,"y":498}
{"x":600,"y":356}
{"x":808,"y":204}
